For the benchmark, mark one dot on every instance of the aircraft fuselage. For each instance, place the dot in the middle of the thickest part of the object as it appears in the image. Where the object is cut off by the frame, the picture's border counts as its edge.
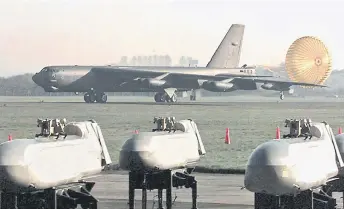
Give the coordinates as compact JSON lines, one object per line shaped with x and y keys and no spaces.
{"x":122,"y":79}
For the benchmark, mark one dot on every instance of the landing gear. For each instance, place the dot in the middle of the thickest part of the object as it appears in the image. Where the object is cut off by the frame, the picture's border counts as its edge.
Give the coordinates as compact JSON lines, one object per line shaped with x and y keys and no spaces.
{"x":89,"y":97}
{"x":101,"y":97}
{"x":67,"y":196}
{"x":160,"y":180}
{"x":193,"y":95}
{"x":281,"y":95}
{"x":93,"y":96}
{"x":163,"y":97}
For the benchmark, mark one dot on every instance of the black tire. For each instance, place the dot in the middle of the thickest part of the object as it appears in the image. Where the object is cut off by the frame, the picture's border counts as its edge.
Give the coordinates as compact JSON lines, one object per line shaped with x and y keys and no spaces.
{"x":87,"y":98}
{"x":101,"y":98}
{"x":157,"y":97}
{"x":92,"y":98}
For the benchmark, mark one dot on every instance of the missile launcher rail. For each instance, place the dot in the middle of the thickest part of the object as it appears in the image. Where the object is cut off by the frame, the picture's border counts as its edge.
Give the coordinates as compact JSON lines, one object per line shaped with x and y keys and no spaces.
{"x":298,"y":128}
{"x":164,"y":179}
{"x":164,"y":124}
{"x":51,"y":127}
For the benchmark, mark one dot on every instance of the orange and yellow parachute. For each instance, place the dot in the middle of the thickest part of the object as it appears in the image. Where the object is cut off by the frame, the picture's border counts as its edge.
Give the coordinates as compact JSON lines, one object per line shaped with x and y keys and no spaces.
{"x":308,"y":60}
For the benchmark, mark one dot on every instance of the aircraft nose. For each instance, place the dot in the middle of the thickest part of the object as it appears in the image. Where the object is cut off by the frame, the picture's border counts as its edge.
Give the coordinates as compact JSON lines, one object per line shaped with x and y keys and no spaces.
{"x":36,"y":79}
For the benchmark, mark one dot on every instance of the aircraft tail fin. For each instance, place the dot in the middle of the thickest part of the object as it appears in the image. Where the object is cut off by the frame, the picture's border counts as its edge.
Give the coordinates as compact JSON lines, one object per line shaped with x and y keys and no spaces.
{"x":227,"y":54}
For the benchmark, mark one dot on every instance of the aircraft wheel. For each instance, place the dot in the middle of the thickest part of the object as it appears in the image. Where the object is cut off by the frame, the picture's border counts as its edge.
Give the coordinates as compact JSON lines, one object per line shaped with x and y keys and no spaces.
{"x":173,"y":98}
{"x":87,"y":98}
{"x":92,"y":98}
{"x":163,"y":97}
{"x":192,"y":98}
{"x":101,"y":98}
{"x":160,"y":97}
{"x":157,"y":97}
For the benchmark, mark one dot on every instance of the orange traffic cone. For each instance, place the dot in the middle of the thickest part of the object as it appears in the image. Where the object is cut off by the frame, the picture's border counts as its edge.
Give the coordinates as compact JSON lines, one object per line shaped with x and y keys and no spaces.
{"x":278,"y":133}
{"x":227,"y":138}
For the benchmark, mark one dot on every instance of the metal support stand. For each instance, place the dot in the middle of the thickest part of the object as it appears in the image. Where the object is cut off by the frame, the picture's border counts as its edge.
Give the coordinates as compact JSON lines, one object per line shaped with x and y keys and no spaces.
{"x":160,"y":180}
{"x":336,"y":185}
{"x":160,"y":199}
{"x":306,"y":199}
{"x":66,"y":196}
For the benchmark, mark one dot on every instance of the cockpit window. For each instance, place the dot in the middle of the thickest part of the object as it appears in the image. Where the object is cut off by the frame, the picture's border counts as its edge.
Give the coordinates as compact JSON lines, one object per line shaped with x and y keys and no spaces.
{"x":48,"y":69}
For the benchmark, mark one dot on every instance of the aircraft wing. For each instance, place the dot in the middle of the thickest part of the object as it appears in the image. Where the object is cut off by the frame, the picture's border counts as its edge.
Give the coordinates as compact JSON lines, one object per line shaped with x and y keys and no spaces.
{"x":164,"y":75}
{"x":287,"y":83}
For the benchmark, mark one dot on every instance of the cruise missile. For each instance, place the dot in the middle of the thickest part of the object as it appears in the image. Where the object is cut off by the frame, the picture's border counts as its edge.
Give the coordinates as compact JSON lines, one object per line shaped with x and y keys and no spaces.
{"x":61,"y":154}
{"x":162,"y":158}
{"x":307,"y":158}
{"x":172,"y":145}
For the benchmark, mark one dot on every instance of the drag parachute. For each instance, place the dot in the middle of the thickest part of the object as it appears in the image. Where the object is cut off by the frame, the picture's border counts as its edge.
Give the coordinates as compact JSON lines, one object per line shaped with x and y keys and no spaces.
{"x":308,"y":60}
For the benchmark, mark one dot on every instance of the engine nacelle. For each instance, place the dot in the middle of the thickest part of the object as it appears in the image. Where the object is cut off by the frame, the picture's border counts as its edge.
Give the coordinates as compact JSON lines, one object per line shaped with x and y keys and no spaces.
{"x":217,"y":86}
{"x":274,"y":87}
{"x":151,"y":82}
{"x":267,"y":86}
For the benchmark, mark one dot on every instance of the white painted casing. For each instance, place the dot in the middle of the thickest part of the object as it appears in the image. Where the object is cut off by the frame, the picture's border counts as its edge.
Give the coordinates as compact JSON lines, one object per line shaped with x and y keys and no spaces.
{"x":42,"y":163}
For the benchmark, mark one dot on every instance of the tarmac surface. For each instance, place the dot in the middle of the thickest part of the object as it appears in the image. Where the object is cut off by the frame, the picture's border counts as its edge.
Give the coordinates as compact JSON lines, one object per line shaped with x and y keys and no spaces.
{"x":214,"y":191}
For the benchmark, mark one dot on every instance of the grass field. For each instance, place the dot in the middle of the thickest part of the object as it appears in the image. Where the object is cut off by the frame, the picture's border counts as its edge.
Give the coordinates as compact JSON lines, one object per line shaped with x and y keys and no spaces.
{"x":250,"y":123}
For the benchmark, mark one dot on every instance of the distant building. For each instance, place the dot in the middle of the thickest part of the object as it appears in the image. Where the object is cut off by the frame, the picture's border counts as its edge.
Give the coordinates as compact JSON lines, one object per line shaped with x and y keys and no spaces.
{"x":139,"y":60}
{"x":185,"y":61}
{"x":133,"y":61}
{"x":167,"y":60}
{"x":123,"y":61}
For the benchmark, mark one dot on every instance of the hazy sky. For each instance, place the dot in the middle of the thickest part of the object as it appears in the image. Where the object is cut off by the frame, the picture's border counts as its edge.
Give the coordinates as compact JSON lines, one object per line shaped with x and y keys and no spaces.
{"x":34,"y":34}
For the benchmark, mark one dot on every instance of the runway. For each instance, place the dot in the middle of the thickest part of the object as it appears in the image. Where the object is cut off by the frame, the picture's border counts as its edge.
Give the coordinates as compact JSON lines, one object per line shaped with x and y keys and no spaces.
{"x":214,"y":191}
{"x":153,"y":103}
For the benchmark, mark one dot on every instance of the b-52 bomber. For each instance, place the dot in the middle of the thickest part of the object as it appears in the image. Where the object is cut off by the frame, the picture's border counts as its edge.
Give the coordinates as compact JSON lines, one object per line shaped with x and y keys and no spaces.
{"x":222,"y":74}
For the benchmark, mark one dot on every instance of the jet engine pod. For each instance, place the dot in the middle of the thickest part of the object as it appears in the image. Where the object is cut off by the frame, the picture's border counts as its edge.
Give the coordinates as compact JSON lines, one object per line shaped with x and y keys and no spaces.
{"x":267,"y":86}
{"x":152,"y":83}
{"x":218,"y":86}
{"x":274,"y":87}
